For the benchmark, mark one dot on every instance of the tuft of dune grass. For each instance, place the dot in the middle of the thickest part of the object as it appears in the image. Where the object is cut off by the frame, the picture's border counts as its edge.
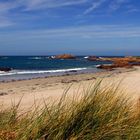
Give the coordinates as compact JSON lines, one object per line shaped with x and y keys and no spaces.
{"x":101,"y":114}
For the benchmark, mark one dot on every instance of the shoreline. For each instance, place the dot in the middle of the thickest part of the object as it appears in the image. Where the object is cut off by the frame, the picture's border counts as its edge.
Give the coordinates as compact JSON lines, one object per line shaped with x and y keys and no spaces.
{"x":35,"y":91}
{"x":72,"y":73}
{"x":35,"y":74}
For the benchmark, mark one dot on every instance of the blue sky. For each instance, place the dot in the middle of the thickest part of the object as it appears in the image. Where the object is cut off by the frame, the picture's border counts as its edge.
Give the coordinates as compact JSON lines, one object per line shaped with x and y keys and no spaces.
{"x":94,"y":27}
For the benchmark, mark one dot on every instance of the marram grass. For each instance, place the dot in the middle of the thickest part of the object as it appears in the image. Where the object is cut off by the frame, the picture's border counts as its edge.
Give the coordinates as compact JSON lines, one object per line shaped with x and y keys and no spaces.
{"x":101,"y":114}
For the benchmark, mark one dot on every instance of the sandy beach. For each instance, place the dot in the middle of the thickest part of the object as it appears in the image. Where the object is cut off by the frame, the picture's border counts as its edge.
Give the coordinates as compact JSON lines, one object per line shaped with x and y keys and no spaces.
{"x":50,"y":89}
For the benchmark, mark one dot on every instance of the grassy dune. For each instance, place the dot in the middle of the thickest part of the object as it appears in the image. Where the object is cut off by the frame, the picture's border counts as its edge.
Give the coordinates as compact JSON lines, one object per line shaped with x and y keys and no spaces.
{"x":101,"y":114}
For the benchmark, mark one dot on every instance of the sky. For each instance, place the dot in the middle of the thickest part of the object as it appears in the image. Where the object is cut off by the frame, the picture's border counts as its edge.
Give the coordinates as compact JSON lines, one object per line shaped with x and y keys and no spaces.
{"x":80,"y":27}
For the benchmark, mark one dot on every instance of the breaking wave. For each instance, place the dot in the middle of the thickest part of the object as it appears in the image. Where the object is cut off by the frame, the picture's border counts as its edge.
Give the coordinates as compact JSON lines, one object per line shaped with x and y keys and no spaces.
{"x":16,"y":72}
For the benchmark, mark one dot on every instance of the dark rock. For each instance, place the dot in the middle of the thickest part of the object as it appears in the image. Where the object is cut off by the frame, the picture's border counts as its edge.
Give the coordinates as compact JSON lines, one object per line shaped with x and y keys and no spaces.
{"x":73,"y":71}
{"x":107,"y":67}
{"x":5,"y":69}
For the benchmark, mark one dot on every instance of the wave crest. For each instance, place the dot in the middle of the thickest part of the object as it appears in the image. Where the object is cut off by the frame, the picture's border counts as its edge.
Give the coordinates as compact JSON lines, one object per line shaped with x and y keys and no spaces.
{"x":39,"y":71}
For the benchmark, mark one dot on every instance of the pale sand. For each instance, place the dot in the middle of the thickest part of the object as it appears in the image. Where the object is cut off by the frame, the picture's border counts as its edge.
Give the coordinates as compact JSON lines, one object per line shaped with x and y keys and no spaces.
{"x":51,"y":89}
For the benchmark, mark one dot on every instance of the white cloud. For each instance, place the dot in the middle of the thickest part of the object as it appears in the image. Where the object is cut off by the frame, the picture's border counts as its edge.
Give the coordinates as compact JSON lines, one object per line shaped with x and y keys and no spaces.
{"x":6,"y":16}
{"x":133,"y":10}
{"x":5,"y":7}
{"x":6,"y":24}
{"x":116,"y":4}
{"x":84,"y":32}
{"x":29,"y":5}
{"x":96,"y":31}
{"x":94,"y":6}
{"x":47,"y":4}
{"x":37,"y":4}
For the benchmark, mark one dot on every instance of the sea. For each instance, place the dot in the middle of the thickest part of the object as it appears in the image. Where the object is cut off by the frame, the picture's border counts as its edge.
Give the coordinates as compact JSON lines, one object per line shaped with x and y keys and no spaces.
{"x":29,"y":67}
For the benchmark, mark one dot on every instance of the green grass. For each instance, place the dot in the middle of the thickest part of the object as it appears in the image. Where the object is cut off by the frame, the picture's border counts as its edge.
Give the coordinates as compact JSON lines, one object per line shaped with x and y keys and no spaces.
{"x":101,"y":114}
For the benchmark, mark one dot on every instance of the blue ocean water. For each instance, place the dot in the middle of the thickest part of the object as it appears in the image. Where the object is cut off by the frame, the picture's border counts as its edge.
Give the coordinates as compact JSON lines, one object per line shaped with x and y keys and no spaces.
{"x":25,"y":67}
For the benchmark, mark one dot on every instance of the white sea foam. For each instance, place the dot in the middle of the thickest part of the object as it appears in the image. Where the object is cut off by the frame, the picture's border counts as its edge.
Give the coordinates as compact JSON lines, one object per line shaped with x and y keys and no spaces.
{"x":39,"y":71}
{"x":86,"y":57}
{"x":36,"y":58}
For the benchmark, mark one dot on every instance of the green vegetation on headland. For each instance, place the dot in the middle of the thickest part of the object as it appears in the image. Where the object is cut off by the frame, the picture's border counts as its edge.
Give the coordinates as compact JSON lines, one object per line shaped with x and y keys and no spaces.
{"x":101,"y":114}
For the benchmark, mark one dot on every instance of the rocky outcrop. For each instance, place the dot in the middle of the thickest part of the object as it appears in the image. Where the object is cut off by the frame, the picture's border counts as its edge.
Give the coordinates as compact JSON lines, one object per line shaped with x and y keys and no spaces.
{"x":93,"y":58}
{"x":127,"y":59}
{"x":118,"y":64}
{"x":125,"y":62}
{"x":124,"y":59}
{"x":5,"y":69}
{"x":65,"y":56}
{"x":107,"y":67}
